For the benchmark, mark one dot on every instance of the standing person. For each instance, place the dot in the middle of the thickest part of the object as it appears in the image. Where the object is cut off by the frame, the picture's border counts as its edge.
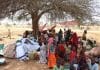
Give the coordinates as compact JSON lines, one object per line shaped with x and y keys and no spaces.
{"x":79,"y":49}
{"x":72,"y":54}
{"x":9,"y":33}
{"x":42,"y":38}
{"x":65,"y":32}
{"x":60,"y":51}
{"x":51,"y":52}
{"x":53,"y":32}
{"x":67,"y":36}
{"x":82,"y":61}
{"x":42,"y":53}
{"x":74,"y":40}
{"x":56,"y":39}
{"x":84,"y":35}
{"x":60,"y":35}
{"x":46,"y":36}
{"x":73,"y":58}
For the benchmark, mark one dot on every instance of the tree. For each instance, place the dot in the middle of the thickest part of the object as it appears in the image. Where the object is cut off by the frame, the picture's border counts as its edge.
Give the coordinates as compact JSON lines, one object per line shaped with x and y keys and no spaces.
{"x":79,"y":9}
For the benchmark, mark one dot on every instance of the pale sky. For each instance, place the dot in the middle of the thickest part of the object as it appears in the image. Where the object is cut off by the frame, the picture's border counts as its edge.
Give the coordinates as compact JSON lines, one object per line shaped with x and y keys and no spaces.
{"x":96,"y":6}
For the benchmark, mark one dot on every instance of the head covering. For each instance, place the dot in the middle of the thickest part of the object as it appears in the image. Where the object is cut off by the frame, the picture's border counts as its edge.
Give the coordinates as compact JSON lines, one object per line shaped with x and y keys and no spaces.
{"x":74,"y":39}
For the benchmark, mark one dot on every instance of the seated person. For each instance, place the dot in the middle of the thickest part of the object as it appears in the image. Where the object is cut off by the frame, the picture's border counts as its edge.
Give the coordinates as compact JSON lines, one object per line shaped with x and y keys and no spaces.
{"x":93,"y":65}
{"x":58,"y":65}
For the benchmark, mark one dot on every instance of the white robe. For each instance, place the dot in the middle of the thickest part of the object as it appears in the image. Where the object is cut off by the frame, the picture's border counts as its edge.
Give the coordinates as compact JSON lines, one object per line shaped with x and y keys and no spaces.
{"x":25,"y":46}
{"x":43,"y":54}
{"x":20,"y":51}
{"x":31,"y":46}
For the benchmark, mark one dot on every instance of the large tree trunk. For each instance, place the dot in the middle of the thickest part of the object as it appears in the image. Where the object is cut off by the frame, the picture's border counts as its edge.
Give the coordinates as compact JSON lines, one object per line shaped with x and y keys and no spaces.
{"x":35,"y":26}
{"x":35,"y":19}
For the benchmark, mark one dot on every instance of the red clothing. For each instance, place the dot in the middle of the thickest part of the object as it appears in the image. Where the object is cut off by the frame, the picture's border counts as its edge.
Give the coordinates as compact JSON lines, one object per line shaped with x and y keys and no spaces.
{"x":62,"y":48}
{"x":74,"y":39}
{"x":82,"y":61}
{"x":72,"y":55}
{"x":60,"y":51}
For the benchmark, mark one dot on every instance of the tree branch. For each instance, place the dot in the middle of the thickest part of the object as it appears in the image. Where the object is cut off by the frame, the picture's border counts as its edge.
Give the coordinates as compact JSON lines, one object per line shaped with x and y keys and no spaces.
{"x":45,"y":11}
{"x":14,"y":10}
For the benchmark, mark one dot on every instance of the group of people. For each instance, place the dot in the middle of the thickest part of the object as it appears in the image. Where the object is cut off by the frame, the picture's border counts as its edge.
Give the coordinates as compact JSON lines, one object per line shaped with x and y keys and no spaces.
{"x":57,"y":50}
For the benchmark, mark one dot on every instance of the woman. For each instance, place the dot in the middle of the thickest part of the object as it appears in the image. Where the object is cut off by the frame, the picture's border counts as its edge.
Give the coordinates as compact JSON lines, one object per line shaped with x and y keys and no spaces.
{"x":74,"y":40}
{"x":82,"y":61}
{"x":60,"y":52}
{"x":42,"y":53}
{"x":72,"y":55}
{"x":51,"y":52}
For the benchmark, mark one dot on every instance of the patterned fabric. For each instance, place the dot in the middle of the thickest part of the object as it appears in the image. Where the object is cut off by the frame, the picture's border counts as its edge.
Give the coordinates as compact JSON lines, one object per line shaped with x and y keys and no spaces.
{"x":9,"y":50}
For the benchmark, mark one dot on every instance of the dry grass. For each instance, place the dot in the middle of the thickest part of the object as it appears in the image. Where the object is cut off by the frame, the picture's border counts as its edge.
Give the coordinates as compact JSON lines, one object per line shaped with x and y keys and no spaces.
{"x":31,"y":65}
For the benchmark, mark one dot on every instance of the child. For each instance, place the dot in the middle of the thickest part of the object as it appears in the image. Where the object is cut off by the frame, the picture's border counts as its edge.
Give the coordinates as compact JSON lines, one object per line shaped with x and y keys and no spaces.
{"x":58,"y":65}
{"x":93,"y":65}
{"x":42,"y":53}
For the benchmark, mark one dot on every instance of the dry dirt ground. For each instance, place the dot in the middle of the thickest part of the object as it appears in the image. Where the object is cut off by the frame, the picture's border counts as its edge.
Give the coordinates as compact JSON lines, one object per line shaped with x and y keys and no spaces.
{"x":13,"y":64}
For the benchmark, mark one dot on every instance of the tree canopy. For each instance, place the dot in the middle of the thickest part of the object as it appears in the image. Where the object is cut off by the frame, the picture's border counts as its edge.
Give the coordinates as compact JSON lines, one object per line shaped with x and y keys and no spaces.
{"x":56,"y":9}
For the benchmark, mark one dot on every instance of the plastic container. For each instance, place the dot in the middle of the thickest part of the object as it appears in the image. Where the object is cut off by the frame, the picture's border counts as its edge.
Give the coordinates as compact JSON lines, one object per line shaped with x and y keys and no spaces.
{"x":2,"y":60}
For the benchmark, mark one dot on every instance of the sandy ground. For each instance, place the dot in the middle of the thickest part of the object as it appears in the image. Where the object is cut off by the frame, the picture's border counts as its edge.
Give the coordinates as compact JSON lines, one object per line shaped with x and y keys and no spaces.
{"x":13,"y":64}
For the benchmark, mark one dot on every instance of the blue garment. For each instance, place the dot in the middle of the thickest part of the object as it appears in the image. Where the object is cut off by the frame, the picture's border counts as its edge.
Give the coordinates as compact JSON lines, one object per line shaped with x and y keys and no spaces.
{"x":95,"y":67}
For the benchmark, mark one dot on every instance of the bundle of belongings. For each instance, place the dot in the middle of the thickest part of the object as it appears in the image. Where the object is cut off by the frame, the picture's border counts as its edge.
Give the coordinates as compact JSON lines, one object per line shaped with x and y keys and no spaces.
{"x":26,"y":46}
{"x":2,"y":59}
{"x":89,"y":43}
{"x":9,"y":50}
{"x":34,"y":55}
{"x":22,"y":48}
{"x":94,"y":51}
